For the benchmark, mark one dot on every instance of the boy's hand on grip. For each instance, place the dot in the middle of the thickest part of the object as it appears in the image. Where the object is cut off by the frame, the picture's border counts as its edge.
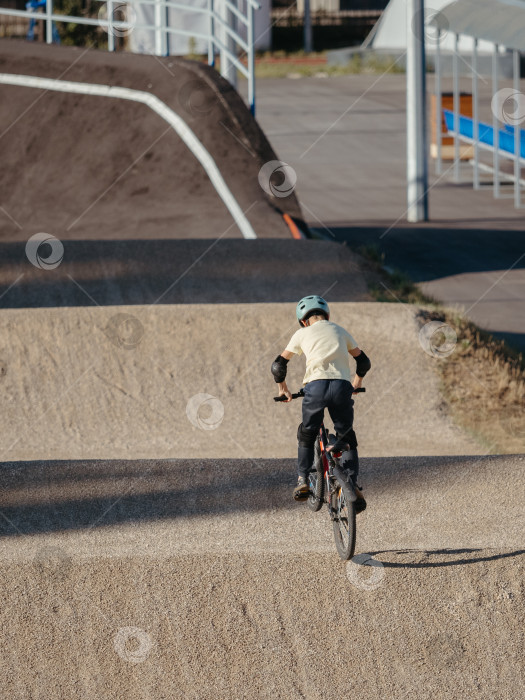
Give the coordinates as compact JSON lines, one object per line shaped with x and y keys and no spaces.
{"x":284,"y":391}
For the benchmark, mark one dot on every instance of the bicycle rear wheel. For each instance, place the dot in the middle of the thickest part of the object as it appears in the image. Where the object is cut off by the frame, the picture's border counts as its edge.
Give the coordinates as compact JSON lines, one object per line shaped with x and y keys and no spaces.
{"x":316,"y":481}
{"x":343,"y":509}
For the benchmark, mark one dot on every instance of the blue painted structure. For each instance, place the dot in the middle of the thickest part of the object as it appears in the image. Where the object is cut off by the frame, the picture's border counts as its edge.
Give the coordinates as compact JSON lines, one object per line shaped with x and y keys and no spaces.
{"x":486,"y":133}
{"x":35,"y":5}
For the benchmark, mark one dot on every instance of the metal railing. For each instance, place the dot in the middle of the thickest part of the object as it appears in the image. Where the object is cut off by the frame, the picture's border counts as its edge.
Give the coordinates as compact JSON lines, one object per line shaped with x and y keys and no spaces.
{"x":230,"y":30}
{"x":506,"y":142}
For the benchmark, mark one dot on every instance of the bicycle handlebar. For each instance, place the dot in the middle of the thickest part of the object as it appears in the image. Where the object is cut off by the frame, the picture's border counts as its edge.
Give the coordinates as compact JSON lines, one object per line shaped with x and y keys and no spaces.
{"x":300,"y":394}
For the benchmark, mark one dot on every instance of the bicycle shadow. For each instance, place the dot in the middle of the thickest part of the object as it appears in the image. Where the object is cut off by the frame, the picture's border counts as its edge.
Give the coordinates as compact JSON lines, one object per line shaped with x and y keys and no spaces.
{"x":417,"y":553}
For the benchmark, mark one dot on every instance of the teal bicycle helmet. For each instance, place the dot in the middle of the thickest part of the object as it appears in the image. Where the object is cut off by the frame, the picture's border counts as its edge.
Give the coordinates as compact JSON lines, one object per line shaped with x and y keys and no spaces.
{"x":309,"y":304}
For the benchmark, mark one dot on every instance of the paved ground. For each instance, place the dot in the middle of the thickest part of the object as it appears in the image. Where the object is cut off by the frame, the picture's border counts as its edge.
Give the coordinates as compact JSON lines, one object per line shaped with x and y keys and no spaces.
{"x":202,"y":578}
{"x":346,"y":139}
{"x":479,"y":271}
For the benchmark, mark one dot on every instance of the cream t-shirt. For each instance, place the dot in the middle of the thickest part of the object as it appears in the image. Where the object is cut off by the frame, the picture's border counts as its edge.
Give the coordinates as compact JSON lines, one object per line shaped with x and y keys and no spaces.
{"x":325,"y":346}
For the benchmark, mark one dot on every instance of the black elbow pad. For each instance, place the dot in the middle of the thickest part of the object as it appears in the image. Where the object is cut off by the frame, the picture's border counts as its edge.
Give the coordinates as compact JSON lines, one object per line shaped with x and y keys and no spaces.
{"x":363,"y":364}
{"x":279,"y":369}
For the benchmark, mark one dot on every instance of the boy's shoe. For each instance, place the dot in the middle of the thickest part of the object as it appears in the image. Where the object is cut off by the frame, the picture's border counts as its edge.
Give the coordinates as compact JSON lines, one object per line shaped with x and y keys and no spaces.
{"x":302,"y":490}
{"x":360,"y":503}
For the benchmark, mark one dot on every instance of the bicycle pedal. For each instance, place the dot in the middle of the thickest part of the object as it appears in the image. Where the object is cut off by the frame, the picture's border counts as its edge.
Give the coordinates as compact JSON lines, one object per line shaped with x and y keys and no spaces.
{"x":338,"y":448}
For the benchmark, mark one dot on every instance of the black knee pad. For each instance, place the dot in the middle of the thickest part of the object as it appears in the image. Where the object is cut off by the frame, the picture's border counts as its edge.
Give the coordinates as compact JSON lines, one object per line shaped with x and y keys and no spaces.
{"x":306,"y":438}
{"x":350,"y":438}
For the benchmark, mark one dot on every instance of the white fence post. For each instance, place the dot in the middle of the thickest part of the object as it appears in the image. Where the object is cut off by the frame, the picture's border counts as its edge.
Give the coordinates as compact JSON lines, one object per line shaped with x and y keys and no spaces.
{"x":417,"y":175}
{"x":228,"y":68}
{"x":456,"y":108}
{"x":111,"y":35}
{"x":211,"y":42}
{"x":439,"y":110}
{"x":495,"y":124}
{"x":49,"y":23}
{"x":160,"y":28}
{"x":517,"y":131}
{"x":475,"y":99}
{"x":251,"y":60}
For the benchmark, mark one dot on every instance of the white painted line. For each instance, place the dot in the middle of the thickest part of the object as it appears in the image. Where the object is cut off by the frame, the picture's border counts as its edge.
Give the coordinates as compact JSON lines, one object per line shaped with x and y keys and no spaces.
{"x":162,"y":109}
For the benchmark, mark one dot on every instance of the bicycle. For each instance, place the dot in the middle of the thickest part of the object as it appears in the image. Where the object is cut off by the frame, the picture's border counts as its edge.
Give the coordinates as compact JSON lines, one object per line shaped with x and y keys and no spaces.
{"x":329,"y":485}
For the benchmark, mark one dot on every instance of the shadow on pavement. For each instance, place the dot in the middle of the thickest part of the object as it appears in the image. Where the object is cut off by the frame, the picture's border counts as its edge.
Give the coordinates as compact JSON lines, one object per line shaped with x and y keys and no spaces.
{"x":53,"y":496}
{"x":178,"y":272}
{"x":451,"y":557}
{"x":38,"y":497}
{"x":427,"y":253}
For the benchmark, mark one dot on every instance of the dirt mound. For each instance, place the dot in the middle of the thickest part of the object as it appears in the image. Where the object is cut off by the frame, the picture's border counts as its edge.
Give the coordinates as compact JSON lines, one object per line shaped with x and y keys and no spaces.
{"x":193,"y":578}
{"x":89,"y":167}
{"x":187,"y":380}
{"x":265,"y":627}
{"x":243,"y":505}
{"x":182,"y":272}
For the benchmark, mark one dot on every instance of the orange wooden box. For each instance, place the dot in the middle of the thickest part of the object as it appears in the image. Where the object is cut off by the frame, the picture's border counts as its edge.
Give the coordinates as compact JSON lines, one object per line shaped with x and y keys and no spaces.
{"x":447,"y":142}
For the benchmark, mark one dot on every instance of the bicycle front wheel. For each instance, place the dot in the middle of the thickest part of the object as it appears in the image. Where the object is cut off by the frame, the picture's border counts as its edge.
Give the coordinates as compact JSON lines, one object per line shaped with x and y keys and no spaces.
{"x":343,"y":510}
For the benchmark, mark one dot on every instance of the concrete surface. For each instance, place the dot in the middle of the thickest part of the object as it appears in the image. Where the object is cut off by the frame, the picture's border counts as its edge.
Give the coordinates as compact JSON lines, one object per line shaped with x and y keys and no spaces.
{"x":345,"y":137}
{"x":481,"y":272}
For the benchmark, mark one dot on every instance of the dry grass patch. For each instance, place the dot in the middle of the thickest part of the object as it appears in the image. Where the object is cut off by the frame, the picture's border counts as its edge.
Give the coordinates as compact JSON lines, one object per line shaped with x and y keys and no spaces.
{"x":483,"y":380}
{"x":484,"y":385}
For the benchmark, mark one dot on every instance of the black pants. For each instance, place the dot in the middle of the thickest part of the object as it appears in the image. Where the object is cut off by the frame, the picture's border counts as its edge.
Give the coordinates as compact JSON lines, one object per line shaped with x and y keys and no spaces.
{"x":336,"y":396}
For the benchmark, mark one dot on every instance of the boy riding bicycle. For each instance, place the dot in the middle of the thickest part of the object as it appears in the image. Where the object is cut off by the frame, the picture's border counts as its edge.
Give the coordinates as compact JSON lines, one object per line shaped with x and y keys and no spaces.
{"x":326,"y":347}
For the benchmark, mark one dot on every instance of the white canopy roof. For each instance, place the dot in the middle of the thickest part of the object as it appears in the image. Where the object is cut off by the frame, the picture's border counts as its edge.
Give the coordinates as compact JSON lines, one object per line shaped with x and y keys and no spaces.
{"x":390,"y":32}
{"x":498,"y":21}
